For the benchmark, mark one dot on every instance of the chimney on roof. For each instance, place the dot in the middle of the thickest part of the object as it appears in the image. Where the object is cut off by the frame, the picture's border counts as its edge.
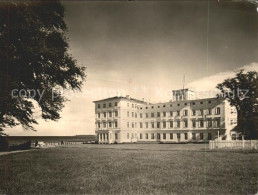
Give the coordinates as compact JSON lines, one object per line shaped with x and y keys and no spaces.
{"x":128,"y":97}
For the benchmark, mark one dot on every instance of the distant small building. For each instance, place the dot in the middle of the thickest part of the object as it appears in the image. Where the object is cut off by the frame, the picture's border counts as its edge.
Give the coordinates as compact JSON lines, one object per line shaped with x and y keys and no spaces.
{"x":184,"y":119}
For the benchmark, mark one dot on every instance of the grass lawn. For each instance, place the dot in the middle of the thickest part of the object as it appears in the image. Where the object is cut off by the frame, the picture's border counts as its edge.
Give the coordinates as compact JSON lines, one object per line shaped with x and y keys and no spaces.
{"x":129,"y":169}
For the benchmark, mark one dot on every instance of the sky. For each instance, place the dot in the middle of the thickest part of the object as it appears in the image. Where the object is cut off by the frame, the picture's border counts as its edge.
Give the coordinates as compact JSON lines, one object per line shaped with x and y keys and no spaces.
{"x":148,"y":48}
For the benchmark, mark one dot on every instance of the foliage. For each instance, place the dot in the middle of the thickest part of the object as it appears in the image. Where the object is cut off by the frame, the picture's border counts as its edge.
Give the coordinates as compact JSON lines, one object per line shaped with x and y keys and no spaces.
{"x":34,"y":56}
{"x":242,"y":92}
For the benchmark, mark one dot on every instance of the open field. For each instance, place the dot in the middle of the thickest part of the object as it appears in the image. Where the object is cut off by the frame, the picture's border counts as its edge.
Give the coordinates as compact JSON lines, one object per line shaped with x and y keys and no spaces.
{"x":130,"y":169}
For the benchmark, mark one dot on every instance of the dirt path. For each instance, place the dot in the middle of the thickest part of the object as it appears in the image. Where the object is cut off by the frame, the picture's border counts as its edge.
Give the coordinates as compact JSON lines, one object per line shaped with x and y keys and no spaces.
{"x":17,"y":151}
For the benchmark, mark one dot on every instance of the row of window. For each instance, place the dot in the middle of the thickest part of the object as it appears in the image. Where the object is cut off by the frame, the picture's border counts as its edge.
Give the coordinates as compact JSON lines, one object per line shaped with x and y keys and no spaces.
{"x":108,"y":124}
{"x":106,"y":136}
{"x":109,"y":114}
{"x":152,"y":136}
{"x":200,"y":123}
{"x":185,"y":113}
{"x":164,"y":114}
{"x":171,"y":136}
{"x":105,"y":105}
{"x":136,"y":106}
{"x":171,"y":105}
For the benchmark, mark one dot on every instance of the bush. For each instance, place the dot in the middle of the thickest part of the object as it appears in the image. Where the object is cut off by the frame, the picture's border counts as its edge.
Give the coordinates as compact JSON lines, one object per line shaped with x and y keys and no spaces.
{"x":24,"y":146}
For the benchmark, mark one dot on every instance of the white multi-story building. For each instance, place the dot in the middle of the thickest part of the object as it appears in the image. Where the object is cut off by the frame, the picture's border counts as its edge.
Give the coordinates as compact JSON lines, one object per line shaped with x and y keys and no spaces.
{"x":184,"y":119}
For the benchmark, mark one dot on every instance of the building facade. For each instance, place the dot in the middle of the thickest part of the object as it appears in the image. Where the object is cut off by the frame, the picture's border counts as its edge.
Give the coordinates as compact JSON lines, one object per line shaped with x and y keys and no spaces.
{"x":126,"y":120}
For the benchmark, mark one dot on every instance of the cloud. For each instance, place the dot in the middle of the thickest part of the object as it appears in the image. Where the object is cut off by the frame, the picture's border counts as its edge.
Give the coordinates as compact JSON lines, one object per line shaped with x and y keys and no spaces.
{"x":206,"y":86}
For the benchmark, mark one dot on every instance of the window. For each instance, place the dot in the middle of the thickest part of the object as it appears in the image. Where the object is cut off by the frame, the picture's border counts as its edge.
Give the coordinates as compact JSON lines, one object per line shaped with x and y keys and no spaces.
{"x":158,"y":135}
{"x":146,"y":115}
{"x":98,"y":124}
{"x":158,"y":114}
{"x":209,"y":136}
{"x":201,"y":102}
{"x":194,"y":124}
{"x":98,"y":115}
{"x":98,"y":105}
{"x":104,"y":124}
{"x":201,"y":123}
{"x":171,"y":105}
{"x":132,"y":136}
{"x":171,"y":135}
{"x":193,"y":136}
{"x":201,"y":136}
{"x":140,"y":135}
{"x":132,"y":124}
{"x":116,"y":136}
{"x":171,"y":113}
{"x":104,"y":105}
{"x":186,"y":136}
{"x":164,"y":124}
{"x":109,"y":124}
{"x":158,"y":124}
{"x":178,"y":124}
{"x":164,"y":106}
{"x":193,"y":103}
{"x":171,"y":124}
{"x":194,"y":112}
{"x":217,"y":111}
{"x":164,"y":136}
{"x":140,"y":124}
{"x":209,"y":102}
{"x":110,"y":105}
{"x":152,"y":114}
{"x":178,"y":113}
{"x":128,"y":113}
{"x":115,"y":124}
{"x":132,"y":114}
{"x":185,"y":124}
{"x":127,"y":104}
{"x":178,"y":135}
{"x":233,"y":136}
{"x":209,"y":123}
{"x":135,"y":115}
{"x":146,"y":125}
{"x":135,"y":125}
{"x":110,"y":114}
{"x":116,"y":113}
{"x":140,"y":115}
{"x":209,"y":112}
{"x":132,"y":105}
{"x":128,"y":124}
{"x":185,"y":112}
{"x":115,"y":103}
{"x":146,"y":135}
{"x":217,"y":123}
{"x":152,"y":136}
{"x":178,"y":104}
{"x":164,"y":114}
{"x":201,"y":112}
{"x":128,"y":136}
{"x":104,"y":114}
{"x":152,"y":124}
{"x":152,"y":107}
{"x":146,"y":107}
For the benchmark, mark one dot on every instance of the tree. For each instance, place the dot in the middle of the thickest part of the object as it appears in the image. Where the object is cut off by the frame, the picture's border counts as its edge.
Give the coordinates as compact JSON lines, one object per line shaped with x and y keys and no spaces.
{"x":34,"y":57}
{"x":242,"y":92}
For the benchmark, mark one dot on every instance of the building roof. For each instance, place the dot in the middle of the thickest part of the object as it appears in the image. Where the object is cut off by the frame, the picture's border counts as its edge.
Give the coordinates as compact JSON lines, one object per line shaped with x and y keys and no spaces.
{"x":121,"y":97}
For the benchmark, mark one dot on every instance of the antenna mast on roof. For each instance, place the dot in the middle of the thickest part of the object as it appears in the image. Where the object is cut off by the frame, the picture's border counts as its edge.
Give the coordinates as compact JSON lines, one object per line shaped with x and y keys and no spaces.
{"x":184,"y":81}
